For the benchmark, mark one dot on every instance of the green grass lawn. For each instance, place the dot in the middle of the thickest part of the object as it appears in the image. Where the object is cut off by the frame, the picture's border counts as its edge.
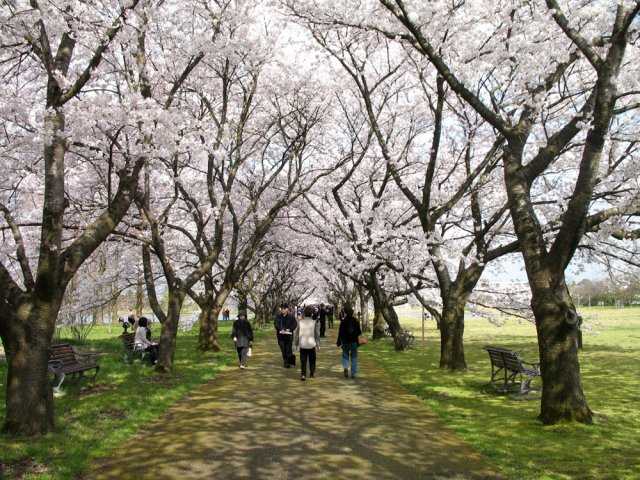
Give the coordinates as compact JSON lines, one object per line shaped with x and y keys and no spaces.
{"x":93,"y":419}
{"x":505,"y":429}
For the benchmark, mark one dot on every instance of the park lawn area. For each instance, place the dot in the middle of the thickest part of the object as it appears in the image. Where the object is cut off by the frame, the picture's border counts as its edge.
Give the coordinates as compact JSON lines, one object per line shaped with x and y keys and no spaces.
{"x":505,"y":429}
{"x":93,"y":419}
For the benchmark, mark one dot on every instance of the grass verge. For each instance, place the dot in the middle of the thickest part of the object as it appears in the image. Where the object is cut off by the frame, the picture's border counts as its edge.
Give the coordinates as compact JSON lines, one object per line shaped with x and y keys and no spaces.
{"x":92,"y":419}
{"x":505,"y":429}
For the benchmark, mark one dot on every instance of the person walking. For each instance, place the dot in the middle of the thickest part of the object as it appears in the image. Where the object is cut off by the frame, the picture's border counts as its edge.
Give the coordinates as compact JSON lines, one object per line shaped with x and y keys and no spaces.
{"x":306,"y":338}
{"x":285,"y":324}
{"x":348,"y":334}
{"x":242,"y":335}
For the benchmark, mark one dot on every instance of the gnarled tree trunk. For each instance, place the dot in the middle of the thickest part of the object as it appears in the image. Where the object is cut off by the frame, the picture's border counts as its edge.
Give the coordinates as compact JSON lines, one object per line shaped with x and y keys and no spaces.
{"x":208,"y":335}
{"x":29,"y":395}
{"x":451,"y":334}
{"x":169,"y":331}
{"x":378,"y":323}
{"x":557,"y":327}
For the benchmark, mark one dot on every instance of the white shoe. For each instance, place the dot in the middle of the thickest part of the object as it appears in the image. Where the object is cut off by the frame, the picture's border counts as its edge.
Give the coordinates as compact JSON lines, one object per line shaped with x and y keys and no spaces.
{"x":243,"y":367}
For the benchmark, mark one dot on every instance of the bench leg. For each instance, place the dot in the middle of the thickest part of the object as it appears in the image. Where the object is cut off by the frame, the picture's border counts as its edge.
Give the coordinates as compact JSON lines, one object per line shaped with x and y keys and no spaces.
{"x":95,"y":374}
{"x":61,"y":376}
{"x":525,"y":385}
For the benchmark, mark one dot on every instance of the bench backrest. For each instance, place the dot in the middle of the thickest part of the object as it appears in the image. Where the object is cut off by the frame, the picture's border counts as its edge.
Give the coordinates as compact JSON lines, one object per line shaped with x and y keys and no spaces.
{"x":128,"y":339}
{"x":63,"y":353}
{"x":501,"y":357}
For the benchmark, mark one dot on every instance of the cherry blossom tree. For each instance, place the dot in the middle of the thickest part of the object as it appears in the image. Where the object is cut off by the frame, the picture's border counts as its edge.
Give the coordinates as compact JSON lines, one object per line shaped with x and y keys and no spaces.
{"x":556,"y":77}
{"x":51,"y":60}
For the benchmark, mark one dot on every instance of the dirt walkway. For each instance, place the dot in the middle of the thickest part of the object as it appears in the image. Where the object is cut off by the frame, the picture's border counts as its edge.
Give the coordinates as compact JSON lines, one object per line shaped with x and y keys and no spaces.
{"x":264,"y":423}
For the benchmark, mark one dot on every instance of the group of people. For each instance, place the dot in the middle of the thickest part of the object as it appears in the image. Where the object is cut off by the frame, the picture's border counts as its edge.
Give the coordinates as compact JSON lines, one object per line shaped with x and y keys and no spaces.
{"x":142,"y":339}
{"x":303,"y":334}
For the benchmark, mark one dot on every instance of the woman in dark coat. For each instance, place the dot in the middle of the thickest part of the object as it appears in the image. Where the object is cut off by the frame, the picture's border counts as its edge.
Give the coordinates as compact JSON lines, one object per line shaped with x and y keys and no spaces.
{"x":242,"y":335}
{"x":348,"y":339}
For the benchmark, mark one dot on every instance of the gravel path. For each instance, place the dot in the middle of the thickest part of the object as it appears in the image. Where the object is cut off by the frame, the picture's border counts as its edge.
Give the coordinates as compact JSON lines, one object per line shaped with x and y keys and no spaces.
{"x":264,"y":423}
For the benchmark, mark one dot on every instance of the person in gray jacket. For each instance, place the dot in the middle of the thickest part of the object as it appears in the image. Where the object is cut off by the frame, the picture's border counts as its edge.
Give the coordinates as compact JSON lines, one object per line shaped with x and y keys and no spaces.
{"x":307,"y":338}
{"x":242,"y":335}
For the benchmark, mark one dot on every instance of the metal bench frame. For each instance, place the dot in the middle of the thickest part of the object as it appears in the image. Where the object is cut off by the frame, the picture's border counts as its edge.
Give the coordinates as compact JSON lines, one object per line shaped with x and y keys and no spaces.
{"x":506,"y":365}
{"x":131,"y":349}
{"x":65,"y":360}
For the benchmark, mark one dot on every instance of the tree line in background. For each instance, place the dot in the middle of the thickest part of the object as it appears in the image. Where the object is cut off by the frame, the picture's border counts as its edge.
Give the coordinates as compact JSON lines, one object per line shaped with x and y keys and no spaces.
{"x":604,"y":292}
{"x":358,"y":151}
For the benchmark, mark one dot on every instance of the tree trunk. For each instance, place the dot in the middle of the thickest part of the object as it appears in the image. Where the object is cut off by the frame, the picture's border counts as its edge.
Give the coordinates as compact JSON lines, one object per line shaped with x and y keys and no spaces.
{"x":557,"y":327}
{"x":139,"y":296}
{"x":243,"y":307}
{"x":378,"y":324}
{"x":169,"y":331}
{"x":451,"y":334}
{"x":384,"y":309}
{"x":364,"y":309}
{"x":29,"y":396}
{"x":391,"y":317}
{"x":208,"y":335}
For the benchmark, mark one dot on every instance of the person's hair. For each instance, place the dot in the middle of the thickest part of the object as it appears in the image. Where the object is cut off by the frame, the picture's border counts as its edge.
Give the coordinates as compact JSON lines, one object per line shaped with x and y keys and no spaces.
{"x":142,"y":322}
{"x":242,"y":316}
{"x":284,"y":305}
{"x":308,"y":311}
{"x":348,"y":311}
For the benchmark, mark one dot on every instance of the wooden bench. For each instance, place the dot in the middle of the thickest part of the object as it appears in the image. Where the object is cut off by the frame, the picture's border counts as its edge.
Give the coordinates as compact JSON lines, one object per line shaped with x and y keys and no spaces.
{"x":65,"y":360}
{"x":130,"y":349}
{"x":507,"y":366}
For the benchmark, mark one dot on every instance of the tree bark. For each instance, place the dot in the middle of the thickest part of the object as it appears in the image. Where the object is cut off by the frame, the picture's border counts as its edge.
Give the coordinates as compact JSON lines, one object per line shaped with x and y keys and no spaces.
{"x":378,"y":323}
{"x":139,"y":296}
{"x":243,"y":307}
{"x":451,"y":334}
{"x":557,"y":327}
{"x":208,"y":335}
{"x":169,"y":331}
{"x":29,"y":395}
{"x":364,"y":309}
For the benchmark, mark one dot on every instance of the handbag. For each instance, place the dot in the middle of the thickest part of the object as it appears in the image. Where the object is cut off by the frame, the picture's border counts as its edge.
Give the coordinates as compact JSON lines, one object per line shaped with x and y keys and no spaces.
{"x":362,"y":340}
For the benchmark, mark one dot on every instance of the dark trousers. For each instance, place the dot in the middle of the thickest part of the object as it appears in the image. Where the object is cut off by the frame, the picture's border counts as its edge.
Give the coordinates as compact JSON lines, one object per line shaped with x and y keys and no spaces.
{"x":323,"y":326}
{"x":330,"y":321}
{"x":153,"y":353}
{"x":285,"y":343}
{"x":310,"y":355}
{"x":242,"y":354}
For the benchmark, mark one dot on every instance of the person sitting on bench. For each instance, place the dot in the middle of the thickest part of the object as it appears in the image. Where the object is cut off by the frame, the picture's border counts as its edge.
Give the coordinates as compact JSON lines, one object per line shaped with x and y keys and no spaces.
{"x":142,"y":342}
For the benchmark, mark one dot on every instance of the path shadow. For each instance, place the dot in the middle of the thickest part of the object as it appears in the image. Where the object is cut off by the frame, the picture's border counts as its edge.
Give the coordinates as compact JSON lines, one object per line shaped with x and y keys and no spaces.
{"x":264,"y":423}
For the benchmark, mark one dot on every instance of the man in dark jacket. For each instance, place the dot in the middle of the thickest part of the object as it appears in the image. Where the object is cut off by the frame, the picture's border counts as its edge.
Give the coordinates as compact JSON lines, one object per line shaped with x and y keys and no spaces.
{"x":285,"y":324}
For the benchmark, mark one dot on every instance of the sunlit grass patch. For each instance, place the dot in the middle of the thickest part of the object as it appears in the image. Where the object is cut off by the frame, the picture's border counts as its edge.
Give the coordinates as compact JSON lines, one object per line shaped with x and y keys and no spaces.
{"x":504,"y":429}
{"x":92,"y":419}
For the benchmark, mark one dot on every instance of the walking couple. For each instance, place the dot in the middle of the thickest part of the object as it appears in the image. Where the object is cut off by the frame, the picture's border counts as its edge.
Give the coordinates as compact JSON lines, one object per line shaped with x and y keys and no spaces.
{"x":304,"y":334}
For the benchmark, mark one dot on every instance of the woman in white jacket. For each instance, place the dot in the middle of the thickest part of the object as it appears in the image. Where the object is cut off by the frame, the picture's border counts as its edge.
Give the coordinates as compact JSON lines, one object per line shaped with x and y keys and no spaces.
{"x":307,"y":338}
